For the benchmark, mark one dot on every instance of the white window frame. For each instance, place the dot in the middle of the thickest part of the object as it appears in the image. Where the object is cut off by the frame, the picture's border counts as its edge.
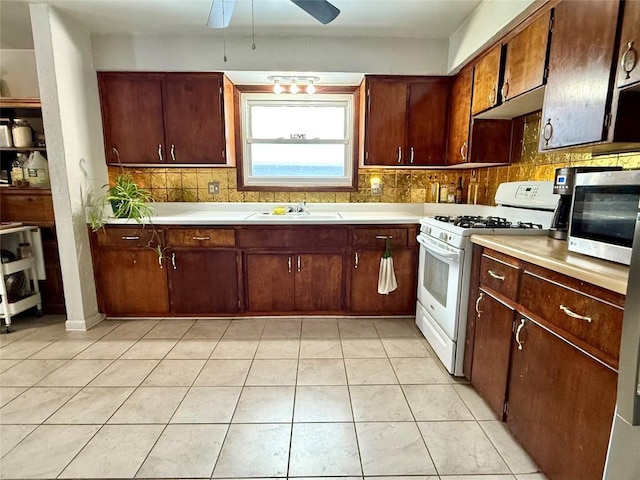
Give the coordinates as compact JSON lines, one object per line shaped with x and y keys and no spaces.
{"x":323,"y":183}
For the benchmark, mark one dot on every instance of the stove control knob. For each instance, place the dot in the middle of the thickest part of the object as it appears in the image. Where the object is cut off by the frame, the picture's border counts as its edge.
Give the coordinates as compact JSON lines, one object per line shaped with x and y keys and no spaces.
{"x":443,"y":236}
{"x":428,"y":230}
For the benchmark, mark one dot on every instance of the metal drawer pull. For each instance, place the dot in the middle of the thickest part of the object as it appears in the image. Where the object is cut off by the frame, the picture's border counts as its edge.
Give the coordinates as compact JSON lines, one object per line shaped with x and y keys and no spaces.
{"x":463,"y":151}
{"x":574,"y":315}
{"x":505,"y":89}
{"x":289,"y":264}
{"x":547,"y":132}
{"x":492,"y":96}
{"x":173,"y":155}
{"x":478,"y":311}
{"x":399,"y":154}
{"x":135,"y":237}
{"x":384,"y":237}
{"x":160,"y":152}
{"x":518,"y":330}
{"x":200,"y":238}
{"x":493,"y":274}
{"x":299,"y":264}
{"x":173,"y":261}
{"x":355,"y":265}
{"x":412,"y":155}
{"x":628,"y":61}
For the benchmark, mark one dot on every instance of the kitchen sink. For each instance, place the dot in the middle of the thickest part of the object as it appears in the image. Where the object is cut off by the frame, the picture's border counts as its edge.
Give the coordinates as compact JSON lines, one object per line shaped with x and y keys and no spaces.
{"x":302,"y":217}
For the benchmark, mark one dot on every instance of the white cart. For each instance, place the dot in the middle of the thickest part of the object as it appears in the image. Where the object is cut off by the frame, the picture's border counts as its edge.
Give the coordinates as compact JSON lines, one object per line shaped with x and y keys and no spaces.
{"x":16,"y":235}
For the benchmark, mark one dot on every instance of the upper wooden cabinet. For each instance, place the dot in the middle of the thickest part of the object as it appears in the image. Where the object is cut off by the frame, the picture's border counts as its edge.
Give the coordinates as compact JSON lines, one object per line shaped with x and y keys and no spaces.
{"x":577,"y":101}
{"x":628,"y":68}
{"x":525,"y":58}
{"x":405,"y":120}
{"x":162,"y":118}
{"x":486,"y":81}
{"x":459,"y":118}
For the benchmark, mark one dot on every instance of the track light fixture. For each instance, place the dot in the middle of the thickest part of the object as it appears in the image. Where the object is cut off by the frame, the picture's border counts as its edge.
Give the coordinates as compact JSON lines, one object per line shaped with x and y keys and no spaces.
{"x":295,"y":83}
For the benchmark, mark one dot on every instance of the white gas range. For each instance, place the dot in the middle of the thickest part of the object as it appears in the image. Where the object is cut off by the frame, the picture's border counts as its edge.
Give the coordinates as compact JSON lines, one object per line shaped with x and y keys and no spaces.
{"x":526,"y":208}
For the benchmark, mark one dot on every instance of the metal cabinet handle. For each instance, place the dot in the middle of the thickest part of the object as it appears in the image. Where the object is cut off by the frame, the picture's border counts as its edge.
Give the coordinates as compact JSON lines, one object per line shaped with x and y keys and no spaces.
{"x":384,"y":237}
{"x":547,"y":132}
{"x":493,"y":274}
{"x":173,"y":261}
{"x":160,"y":152}
{"x":571,"y":314}
{"x":399,"y":154}
{"x":117,"y":154}
{"x":412,"y":155}
{"x":463,"y":151}
{"x":289,"y":264}
{"x":356,"y":260}
{"x":132,"y":237}
{"x":200,"y":238}
{"x":629,"y":60}
{"x":518,"y":330}
{"x":478,"y":311}
{"x":299,"y":264}
{"x":492,"y":96}
{"x":505,"y":89}
{"x":172,"y":151}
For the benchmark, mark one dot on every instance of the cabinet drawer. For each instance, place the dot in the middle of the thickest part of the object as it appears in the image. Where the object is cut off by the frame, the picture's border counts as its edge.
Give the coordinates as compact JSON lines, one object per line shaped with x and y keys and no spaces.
{"x":126,"y":237}
{"x":288,"y":237}
{"x":375,"y":237}
{"x":201,"y":237}
{"x":500,"y":276}
{"x":35,"y":208}
{"x":588,"y":317}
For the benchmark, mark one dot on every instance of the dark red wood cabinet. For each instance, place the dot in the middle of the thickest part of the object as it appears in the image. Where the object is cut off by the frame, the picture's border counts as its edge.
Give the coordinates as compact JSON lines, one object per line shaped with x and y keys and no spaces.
{"x":162,"y":118}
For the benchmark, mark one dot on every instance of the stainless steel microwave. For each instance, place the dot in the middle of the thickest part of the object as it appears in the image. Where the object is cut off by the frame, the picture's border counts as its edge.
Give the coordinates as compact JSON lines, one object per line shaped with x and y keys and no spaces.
{"x":603,"y":214}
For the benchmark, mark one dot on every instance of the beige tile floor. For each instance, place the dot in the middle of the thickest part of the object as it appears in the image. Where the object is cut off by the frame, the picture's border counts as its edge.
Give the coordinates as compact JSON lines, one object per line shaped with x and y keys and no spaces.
{"x":243,"y":398}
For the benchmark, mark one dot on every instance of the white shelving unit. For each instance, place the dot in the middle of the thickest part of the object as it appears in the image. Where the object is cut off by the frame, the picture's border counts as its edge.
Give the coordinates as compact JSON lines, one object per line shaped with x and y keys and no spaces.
{"x":29,"y":235}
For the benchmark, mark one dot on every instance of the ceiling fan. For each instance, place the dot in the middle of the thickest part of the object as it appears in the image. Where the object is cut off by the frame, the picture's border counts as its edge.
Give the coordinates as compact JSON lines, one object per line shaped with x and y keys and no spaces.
{"x":321,"y":10}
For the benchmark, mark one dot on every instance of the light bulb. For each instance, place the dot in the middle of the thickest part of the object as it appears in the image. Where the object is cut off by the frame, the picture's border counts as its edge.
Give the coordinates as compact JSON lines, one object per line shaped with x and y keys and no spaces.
{"x":311,"y":89}
{"x":277,"y":88}
{"x":293,"y":89}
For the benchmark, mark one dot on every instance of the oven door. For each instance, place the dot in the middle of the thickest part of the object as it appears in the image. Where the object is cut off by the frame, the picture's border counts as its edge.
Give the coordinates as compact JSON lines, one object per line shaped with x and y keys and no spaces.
{"x":439,"y":282}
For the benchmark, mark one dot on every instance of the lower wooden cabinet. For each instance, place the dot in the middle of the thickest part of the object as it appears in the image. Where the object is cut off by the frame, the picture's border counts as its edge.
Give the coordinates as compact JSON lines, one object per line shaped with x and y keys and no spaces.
{"x":203,"y":281}
{"x":131,"y":282}
{"x":491,"y":352}
{"x":561,"y":404}
{"x":311,"y":282}
{"x":364,"y":296}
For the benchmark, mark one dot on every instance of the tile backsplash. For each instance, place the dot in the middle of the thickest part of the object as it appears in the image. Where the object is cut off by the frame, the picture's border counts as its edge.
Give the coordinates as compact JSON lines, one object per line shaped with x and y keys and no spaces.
{"x":399,"y":186}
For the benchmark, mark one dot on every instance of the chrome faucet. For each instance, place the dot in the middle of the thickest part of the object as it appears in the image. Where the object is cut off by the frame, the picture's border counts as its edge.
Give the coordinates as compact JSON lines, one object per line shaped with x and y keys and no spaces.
{"x":301,"y":208}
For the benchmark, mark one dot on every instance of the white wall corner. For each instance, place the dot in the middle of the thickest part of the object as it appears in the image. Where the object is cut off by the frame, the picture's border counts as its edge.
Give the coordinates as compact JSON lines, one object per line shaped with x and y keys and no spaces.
{"x":487,"y":23}
{"x":71,"y":114}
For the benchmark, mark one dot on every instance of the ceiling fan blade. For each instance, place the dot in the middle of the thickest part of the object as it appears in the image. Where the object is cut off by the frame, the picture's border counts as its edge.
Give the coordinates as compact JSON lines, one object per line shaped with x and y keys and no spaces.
{"x":220,"y":14}
{"x":321,"y":10}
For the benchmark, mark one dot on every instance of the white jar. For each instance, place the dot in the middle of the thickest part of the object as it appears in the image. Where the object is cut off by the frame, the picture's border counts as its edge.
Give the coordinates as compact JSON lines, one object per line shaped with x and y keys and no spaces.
{"x":21,"y":132}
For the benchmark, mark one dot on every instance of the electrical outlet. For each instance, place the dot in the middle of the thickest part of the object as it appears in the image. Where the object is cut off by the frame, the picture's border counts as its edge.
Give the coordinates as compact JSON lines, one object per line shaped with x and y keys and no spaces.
{"x":214,"y":188}
{"x":376,"y":190}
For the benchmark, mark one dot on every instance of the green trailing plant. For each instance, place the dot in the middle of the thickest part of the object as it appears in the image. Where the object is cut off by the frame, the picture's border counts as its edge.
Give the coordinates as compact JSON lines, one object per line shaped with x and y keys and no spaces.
{"x":127,"y":200}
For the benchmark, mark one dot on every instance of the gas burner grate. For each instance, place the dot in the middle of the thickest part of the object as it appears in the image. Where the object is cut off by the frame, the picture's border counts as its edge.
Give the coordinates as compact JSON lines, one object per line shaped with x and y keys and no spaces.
{"x":475,"y":221}
{"x":528,"y":225}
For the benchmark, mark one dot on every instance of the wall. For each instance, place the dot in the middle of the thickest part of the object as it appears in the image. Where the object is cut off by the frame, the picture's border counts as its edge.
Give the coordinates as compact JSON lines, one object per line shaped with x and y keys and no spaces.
{"x":71,"y":114}
{"x":314,"y":54}
{"x":18,"y":74}
{"x":400,"y":186}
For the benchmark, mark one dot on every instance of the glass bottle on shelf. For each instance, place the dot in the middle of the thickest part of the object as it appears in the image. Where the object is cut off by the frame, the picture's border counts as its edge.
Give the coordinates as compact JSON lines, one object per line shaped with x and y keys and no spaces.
{"x":459,"y":191}
{"x":444,"y":191}
{"x":17,"y":175}
{"x":451,"y":192}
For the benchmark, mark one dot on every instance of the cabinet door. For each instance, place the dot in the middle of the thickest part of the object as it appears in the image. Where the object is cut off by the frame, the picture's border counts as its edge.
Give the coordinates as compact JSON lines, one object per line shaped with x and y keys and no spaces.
{"x":427,"y":130}
{"x":526,"y":59}
{"x":576,"y":99}
{"x":131,"y":282}
{"x":459,"y":118}
{"x":193,"y":118}
{"x":270,"y":282}
{"x":485,"y":81}
{"x":318,"y":282}
{"x":628,"y":57}
{"x":491,"y":348}
{"x":132,"y":118}
{"x":385,"y":122}
{"x":203,"y":281}
{"x":561,"y":405}
{"x":365,"y":265}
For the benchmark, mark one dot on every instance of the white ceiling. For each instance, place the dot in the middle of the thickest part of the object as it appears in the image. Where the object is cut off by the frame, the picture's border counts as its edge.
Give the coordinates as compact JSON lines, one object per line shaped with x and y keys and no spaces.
{"x":432,"y":19}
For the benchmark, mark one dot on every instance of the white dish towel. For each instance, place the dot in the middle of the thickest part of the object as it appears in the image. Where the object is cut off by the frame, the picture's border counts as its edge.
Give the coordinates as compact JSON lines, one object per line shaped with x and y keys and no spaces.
{"x":386,"y":276}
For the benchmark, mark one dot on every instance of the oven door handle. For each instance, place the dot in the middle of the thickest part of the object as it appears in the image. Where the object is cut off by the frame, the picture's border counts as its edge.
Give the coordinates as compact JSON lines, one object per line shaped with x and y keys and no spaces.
{"x":443,"y":254}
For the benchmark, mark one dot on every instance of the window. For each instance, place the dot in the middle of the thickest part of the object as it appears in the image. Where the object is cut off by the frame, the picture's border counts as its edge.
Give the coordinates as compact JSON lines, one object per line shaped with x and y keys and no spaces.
{"x":304,"y":142}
